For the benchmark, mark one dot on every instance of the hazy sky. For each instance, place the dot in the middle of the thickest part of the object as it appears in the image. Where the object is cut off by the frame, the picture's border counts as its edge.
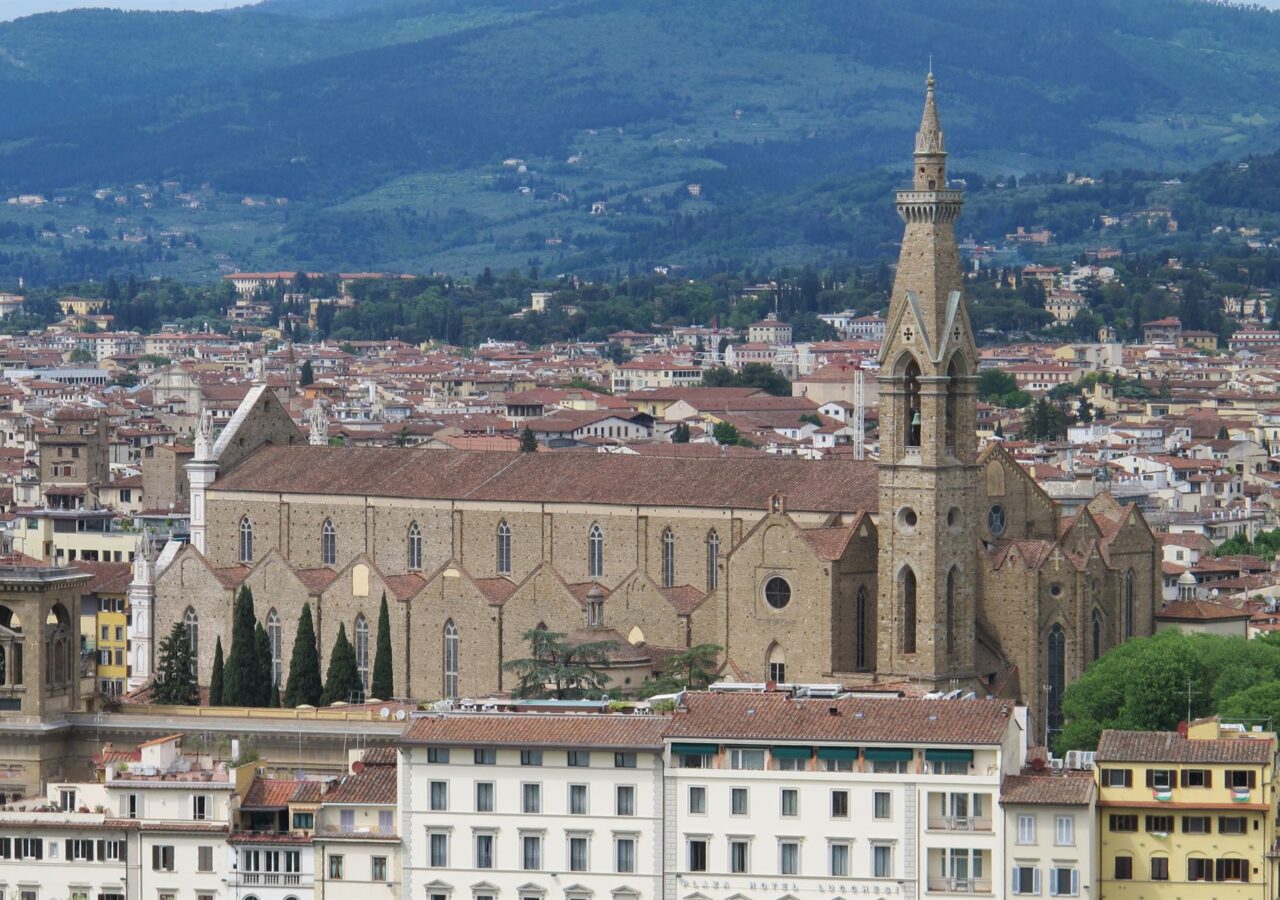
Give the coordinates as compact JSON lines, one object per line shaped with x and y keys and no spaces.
{"x":13,"y":9}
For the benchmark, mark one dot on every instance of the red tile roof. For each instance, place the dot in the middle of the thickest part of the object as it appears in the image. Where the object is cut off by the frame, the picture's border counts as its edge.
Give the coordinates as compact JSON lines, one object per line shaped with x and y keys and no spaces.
{"x":1200,"y":611}
{"x":603,"y":730}
{"x":375,"y":784}
{"x":1050,"y":789}
{"x":1171,"y":747}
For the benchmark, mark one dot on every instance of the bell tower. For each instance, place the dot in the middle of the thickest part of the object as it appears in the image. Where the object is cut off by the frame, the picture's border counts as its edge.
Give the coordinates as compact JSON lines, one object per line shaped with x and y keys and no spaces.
{"x":928,"y":447}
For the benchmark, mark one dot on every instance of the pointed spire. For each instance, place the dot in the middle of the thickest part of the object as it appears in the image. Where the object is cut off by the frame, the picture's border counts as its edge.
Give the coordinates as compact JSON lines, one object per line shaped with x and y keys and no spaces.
{"x":929,"y":137}
{"x":204,"y":433}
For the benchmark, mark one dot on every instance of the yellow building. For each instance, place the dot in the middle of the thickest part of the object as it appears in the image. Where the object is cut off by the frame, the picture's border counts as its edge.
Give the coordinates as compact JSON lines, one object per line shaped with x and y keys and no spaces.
{"x":106,"y":603}
{"x":1187,"y":816}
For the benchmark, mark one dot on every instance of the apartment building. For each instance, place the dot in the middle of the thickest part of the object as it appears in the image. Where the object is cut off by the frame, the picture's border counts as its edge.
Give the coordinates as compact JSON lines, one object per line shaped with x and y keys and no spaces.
{"x":532,"y":806}
{"x":1187,"y":814}
{"x":1050,"y":828}
{"x":772,"y":795}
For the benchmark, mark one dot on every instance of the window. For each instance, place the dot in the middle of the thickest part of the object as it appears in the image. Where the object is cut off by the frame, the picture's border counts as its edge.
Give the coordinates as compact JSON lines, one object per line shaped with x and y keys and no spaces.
{"x":839,"y":804}
{"x":362,"y":651}
{"x":626,"y":800}
{"x":1124,"y":868}
{"x":1124,"y":822}
{"x":1232,"y":825}
{"x":1160,"y":779}
{"x":438,"y":755}
{"x":995,"y":519}
{"x":484,"y":851}
{"x":77,"y":851}
{"x":579,"y":758}
{"x":1097,"y":634}
{"x":578,"y":853}
{"x":485,"y":756}
{"x":531,"y":798}
{"x":1026,"y":880}
{"x":837,"y":765}
{"x":881,"y":861}
{"x":530,"y":757}
{"x":1159,"y":868}
{"x":1063,"y":882}
{"x":415,"y":546}
{"x":67,"y":800}
{"x":385,"y":820}
{"x":1231,"y":870}
{"x":335,"y":867}
{"x":452,"y":643}
{"x":199,"y":807}
{"x":1160,"y":824}
{"x":788,"y":858}
{"x":439,"y":796}
{"x":484,"y":796}
{"x":378,"y":868}
{"x":192,"y":621}
{"x":908,"y":591}
{"x":860,"y":658}
{"x":114,"y":851}
{"x":624,"y":853}
{"x":161,"y":857}
{"x":713,"y":560}
{"x":504,"y":548}
{"x":530,"y":852}
{"x":739,"y":856}
{"x":668,"y":558}
{"x":1056,"y":680}
{"x":1199,"y":869}
{"x":740,"y":758}
{"x":1240,"y":778}
{"x":595,"y":551}
{"x":1197,"y":825}
{"x":738,"y":801}
{"x":275,"y":634}
{"x":1027,"y":829}
{"x":790,"y":802}
{"x":697,"y":800}
{"x":438,"y":849}
{"x":881,"y":804}
{"x":246,"y":540}
{"x":1128,"y":604}
{"x":839,"y":859}
{"x":347,"y":820}
{"x":204,"y":859}
{"x":777,"y":592}
{"x":1120,"y":778}
{"x":1198,"y":778}
{"x":304,"y":821}
{"x":624,"y":760}
{"x":1064,"y":831}
{"x":130,"y":806}
{"x":328,"y":544}
{"x":697,"y":853}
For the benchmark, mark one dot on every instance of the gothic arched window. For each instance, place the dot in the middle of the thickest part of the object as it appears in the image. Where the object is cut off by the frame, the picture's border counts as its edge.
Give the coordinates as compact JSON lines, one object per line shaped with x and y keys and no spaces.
{"x":911,"y":413}
{"x":328,"y":544}
{"x":504,"y":548}
{"x":595,"y":551}
{"x":415,"y":546}
{"x":246,"y":540}
{"x":713,"y":560}
{"x":275,"y":632}
{"x":908,"y":582}
{"x":1056,"y":676}
{"x":1128,"y":604}
{"x":192,"y":621}
{"x":668,"y":558}
{"x":1097,"y":634}
{"x":860,"y":630}
{"x":451,"y":646}
{"x":951,"y":611}
{"x":777,"y":662}
{"x":362,"y":651}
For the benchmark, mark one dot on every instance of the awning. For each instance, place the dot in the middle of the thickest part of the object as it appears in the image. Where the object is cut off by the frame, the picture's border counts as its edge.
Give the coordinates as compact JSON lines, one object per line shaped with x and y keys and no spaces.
{"x":949,"y":755}
{"x":837,"y":753}
{"x":695,"y":749}
{"x":791,"y":752}
{"x":888,"y":754}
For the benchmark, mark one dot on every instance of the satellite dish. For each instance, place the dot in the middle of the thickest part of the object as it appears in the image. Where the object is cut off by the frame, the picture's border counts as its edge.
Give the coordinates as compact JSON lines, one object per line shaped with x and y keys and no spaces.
{"x":384,"y":712}
{"x":400,"y":715}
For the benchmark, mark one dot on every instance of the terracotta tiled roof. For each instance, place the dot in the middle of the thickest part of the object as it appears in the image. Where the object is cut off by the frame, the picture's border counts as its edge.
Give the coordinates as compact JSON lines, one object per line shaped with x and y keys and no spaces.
{"x":376,"y":784}
{"x":231,"y":576}
{"x":417,"y":473}
{"x":1072,"y":789}
{"x":1171,"y":747}
{"x":108,"y":577}
{"x":776,"y":716}
{"x":403,"y":587}
{"x":269,"y":793}
{"x":496,"y":590}
{"x":316,"y":580}
{"x":603,"y":730}
{"x":828,"y":543}
{"x":1200,"y":611}
{"x":380,"y":756}
{"x":684,"y":598}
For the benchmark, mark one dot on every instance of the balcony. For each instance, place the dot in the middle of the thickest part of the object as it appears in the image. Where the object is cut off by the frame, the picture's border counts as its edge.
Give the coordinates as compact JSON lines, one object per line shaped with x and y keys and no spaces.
{"x":270,"y":879}
{"x":937,"y":885}
{"x":959,"y":823}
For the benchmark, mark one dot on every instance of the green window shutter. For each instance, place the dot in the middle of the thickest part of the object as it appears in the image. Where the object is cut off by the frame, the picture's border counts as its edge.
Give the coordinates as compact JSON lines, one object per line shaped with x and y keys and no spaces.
{"x":695,"y":749}
{"x":791,"y":752}
{"x":888,"y":754}
{"x":839,"y":753}
{"x":949,"y":755}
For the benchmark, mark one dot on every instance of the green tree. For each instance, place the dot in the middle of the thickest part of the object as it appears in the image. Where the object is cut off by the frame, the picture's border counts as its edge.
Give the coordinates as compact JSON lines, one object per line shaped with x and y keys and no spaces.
{"x":80,"y":356}
{"x":216,"y":675}
{"x":680,"y":434}
{"x":382,"y":684}
{"x":994,"y":384}
{"x":303,"y":685}
{"x":1044,"y":421}
{"x":756,"y":375}
{"x":174,"y":682}
{"x":263,"y":682}
{"x":342,"y":682}
{"x":528,"y":441}
{"x":725,"y":433}
{"x":241,"y":678}
{"x":307,"y":375}
{"x":559,"y":668}
{"x":692,"y":669}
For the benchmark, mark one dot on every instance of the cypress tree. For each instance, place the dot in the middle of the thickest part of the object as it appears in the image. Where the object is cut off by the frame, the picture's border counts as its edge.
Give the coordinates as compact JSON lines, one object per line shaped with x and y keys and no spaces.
{"x":383,"y":685}
{"x":262,"y":683}
{"x":528,"y":441}
{"x":240,"y":679}
{"x":174,"y":682}
{"x":343,"y":679}
{"x":216,"y":676}
{"x":304,"y":685}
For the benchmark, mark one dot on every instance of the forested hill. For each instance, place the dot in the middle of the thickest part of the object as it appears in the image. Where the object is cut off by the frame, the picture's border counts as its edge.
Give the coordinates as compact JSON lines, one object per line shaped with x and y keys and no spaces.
{"x":385,"y":124}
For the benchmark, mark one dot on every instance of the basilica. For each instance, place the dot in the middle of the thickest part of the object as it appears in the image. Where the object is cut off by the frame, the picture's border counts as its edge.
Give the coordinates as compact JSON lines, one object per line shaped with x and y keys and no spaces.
{"x":936,"y":567}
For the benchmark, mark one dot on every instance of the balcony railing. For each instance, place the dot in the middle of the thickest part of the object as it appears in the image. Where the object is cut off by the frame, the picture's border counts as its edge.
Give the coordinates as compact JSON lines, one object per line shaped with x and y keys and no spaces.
{"x":959,"y":823}
{"x":959,"y":885}
{"x":270,"y":879}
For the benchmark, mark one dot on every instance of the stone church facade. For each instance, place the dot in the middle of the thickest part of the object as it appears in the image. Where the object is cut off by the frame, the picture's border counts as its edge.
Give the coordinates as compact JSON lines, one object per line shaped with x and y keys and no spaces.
{"x":936,"y":567}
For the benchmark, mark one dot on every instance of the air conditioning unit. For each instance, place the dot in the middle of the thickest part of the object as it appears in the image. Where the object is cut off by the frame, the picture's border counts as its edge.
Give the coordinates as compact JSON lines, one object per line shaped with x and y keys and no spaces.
{"x":1055,"y":764}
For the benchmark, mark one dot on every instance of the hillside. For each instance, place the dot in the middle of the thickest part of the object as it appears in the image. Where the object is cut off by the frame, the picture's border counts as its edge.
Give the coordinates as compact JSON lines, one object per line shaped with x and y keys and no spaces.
{"x":385,"y":125}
